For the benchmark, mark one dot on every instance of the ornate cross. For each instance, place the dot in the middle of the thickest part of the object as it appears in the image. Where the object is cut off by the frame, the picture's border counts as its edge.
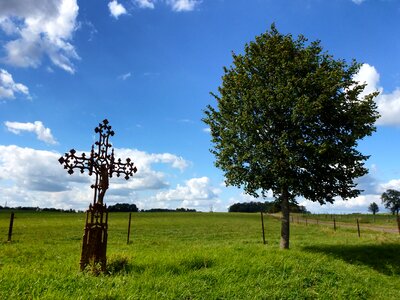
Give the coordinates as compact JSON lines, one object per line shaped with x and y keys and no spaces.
{"x":103,"y":164}
{"x":100,"y":162}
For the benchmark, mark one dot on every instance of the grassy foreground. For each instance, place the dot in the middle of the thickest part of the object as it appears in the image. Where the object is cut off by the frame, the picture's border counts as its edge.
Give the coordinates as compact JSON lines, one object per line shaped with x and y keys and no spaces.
{"x":196,"y":256}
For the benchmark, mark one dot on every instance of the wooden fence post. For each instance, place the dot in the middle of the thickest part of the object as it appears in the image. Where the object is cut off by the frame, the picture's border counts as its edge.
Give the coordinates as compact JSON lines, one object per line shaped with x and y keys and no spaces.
{"x":334,"y":224}
{"x":11,"y":227}
{"x":306,"y":222}
{"x":398,"y":223}
{"x":129,"y":228}
{"x":262,"y":226}
{"x":358,"y":228}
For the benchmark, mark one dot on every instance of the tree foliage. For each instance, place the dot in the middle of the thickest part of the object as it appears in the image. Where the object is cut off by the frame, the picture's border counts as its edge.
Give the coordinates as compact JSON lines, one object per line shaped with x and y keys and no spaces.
{"x":269,"y":207}
{"x":123,"y":207}
{"x":288,"y":119}
{"x":373,"y":208}
{"x":391,"y":200}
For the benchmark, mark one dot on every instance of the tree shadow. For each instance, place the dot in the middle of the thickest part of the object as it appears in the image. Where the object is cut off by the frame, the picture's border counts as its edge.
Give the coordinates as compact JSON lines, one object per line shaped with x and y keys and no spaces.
{"x":382,"y":258}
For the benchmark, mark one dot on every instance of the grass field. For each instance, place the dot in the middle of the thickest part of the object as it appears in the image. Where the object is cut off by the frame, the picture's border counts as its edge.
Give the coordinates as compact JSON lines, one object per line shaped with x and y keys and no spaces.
{"x":196,"y":256}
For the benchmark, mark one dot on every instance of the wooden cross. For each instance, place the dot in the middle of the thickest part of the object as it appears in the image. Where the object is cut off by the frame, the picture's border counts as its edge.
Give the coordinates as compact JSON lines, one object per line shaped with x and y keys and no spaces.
{"x":100,"y":162}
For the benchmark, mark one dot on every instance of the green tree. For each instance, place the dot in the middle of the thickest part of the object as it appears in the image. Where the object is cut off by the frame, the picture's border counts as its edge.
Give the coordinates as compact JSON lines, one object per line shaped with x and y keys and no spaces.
{"x":373,"y":207}
{"x":288,"y":119}
{"x":391,"y":200}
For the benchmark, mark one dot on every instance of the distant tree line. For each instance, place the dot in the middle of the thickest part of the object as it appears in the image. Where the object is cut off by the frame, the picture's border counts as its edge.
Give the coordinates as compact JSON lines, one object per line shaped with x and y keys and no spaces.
{"x":119,"y":207}
{"x":123,"y":207}
{"x":268,"y":207}
{"x":168,"y":210}
{"x":30,"y":208}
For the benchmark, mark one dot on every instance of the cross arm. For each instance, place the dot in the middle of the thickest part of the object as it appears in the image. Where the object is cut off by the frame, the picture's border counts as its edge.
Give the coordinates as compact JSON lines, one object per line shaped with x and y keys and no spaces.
{"x":71,"y":161}
{"x":126,"y":168}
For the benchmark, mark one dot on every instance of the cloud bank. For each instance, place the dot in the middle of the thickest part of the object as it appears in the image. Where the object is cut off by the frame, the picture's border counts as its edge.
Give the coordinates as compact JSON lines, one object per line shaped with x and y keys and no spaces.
{"x":30,"y":177}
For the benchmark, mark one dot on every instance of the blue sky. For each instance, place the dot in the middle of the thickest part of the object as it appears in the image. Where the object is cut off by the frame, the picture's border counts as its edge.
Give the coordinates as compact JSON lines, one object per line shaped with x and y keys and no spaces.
{"x":148,"y":67}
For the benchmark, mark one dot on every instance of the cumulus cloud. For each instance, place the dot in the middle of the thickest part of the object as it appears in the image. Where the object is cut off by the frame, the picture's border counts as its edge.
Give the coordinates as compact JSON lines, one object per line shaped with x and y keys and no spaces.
{"x":145,"y":3}
{"x":358,"y":1}
{"x":196,"y":192}
{"x":8,"y":87}
{"x":183,"y":5}
{"x":116,"y":9}
{"x":388,"y":103}
{"x":38,"y":28}
{"x":30,"y":177}
{"x":42,"y":133}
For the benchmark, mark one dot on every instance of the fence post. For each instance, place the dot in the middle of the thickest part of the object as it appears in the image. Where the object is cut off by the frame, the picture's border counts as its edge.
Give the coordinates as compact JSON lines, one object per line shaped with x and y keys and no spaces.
{"x":11,"y":227}
{"x":129,"y":228}
{"x":306,"y":221}
{"x":358,"y":228}
{"x":398,"y":223}
{"x":334,"y":224}
{"x":262,"y":226}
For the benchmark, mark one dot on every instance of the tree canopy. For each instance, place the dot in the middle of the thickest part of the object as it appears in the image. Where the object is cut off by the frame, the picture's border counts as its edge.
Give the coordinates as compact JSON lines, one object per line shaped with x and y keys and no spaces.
{"x":373,"y":207}
{"x":391,"y":200}
{"x":269,"y":207}
{"x":288,"y":119}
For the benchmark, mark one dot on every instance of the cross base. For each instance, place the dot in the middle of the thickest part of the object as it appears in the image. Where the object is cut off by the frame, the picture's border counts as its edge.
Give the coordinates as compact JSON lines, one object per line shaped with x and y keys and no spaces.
{"x":94,"y":243}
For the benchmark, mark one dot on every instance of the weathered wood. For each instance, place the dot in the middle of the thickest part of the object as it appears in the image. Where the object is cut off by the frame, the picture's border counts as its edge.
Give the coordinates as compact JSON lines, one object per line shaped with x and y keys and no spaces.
{"x":10,"y":228}
{"x":398,"y":223}
{"x":129,"y":228}
{"x":262,"y":226}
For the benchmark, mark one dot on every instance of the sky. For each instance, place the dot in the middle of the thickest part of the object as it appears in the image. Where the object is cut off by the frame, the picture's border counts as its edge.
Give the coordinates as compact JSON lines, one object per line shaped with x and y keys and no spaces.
{"x":148,"y":66}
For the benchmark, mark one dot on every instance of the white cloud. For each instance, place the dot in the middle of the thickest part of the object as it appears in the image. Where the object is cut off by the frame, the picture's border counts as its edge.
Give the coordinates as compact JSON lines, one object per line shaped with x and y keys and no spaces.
{"x":207,"y":130}
{"x":8,"y":87}
{"x":145,"y":3}
{"x":358,"y":1}
{"x":39,"y":28}
{"x":116,"y":9}
{"x":183,"y":5}
{"x":42,"y":133}
{"x":197,"y":192}
{"x":125,"y":76}
{"x":388,"y":104}
{"x":30,"y":177}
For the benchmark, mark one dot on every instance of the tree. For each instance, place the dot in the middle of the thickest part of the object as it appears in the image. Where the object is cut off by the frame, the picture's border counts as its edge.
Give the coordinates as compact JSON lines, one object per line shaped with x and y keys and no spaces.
{"x":391,"y":200}
{"x":373,"y":207}
{"x":288,"y":119}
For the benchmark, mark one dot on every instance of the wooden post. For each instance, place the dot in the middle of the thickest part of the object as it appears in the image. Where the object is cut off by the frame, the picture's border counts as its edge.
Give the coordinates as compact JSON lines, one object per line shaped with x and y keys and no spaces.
{"x":317,"y":221}
{"x":334,"y":224}
{"x":306,"y":221}
{"x":129,"y":228}
{"x":11,"y":227}
{"x":398,"y":223}
{"x":358,"y":228}
{"x":262,"y":226}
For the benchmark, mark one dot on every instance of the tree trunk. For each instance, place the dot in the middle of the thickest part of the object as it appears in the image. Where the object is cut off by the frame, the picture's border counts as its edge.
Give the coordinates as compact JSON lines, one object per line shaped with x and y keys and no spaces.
{"x":285,"y":227}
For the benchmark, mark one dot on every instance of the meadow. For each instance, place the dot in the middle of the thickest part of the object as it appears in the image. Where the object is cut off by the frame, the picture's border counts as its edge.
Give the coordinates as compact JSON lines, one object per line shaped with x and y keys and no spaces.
{"x":196,"y":256}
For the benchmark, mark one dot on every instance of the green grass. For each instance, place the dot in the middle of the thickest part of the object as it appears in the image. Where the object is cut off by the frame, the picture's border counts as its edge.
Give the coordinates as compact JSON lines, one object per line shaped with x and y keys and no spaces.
{"x":386,"y":220}
{"x":196,"y":256}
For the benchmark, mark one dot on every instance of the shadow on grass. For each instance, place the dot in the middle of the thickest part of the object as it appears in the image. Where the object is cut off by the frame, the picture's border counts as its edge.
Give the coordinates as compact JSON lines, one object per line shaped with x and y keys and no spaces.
{"x":382,"y":258}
